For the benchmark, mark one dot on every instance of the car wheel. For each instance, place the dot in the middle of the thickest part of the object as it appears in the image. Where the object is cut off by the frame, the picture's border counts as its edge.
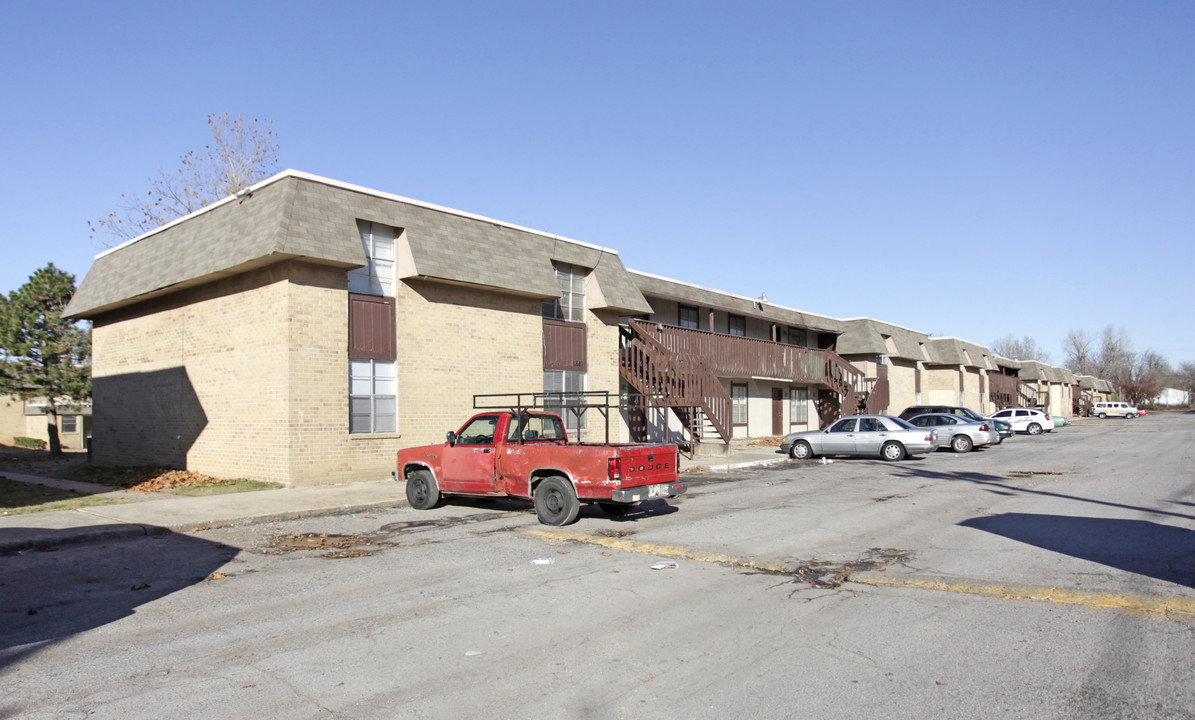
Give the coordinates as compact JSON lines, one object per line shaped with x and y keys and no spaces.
{"x":1034,"y":429}
{"x":1129,"y":416}
{"x":892,"y":451}
{"x":555,"y":502}
{"x":422,"y":491}
{"x":617,"y":509}
{"x":1103,"y":416}
{"x":800,"y":450}
{"x":961,"y":444}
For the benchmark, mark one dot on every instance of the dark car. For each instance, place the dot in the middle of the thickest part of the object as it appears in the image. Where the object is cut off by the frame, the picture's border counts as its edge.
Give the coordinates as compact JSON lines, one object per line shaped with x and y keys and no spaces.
{"x":1003,"y":428}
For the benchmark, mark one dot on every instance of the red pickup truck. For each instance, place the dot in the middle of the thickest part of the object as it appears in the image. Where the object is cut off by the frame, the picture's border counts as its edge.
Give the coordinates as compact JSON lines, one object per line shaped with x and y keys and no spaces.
{"x":515,"y":453}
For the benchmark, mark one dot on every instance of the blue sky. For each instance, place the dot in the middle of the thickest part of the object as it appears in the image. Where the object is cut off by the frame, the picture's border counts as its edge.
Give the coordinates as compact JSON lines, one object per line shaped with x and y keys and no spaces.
{"x":974,"y":169}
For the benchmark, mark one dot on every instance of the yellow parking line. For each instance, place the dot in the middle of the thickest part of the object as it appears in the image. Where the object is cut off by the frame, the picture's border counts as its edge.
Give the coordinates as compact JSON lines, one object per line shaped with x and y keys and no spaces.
{"x":672,"y":551}
{"x":1134,"y":604}
{"x":1181,"y":609}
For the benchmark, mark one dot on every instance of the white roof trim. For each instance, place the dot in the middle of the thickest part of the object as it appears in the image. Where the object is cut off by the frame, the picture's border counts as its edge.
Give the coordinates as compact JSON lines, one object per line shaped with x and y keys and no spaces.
{"x":727,"y":294}
{"x":366,"y":191}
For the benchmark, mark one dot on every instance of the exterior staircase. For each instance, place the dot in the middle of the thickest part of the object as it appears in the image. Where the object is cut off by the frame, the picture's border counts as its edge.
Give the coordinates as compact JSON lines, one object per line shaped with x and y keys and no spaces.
{"x":681,"y":369}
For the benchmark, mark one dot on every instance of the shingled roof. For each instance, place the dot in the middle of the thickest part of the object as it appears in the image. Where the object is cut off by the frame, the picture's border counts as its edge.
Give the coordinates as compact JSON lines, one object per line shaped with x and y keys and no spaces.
{"x":865,"y":336}
{"x":954,"y":351}
{"x":296,"y":215}
{"x":666,"y":288}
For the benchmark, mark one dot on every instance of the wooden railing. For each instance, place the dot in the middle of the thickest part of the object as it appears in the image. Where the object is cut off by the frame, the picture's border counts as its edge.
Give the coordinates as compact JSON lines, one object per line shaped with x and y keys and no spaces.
{"x":681,"y":367}
{"x":1008,"y":391}
{"x":667,"y":379}
{"x":743,"y":357}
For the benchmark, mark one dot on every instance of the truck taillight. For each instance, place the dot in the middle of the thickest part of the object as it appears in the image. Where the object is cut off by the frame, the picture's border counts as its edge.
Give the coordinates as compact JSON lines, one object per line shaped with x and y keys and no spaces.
{"x":614,"y":469}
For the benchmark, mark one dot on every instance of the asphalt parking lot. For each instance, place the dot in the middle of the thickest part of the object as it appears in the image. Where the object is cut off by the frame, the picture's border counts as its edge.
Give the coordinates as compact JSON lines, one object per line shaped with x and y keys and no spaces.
{"x":1051,"y":576}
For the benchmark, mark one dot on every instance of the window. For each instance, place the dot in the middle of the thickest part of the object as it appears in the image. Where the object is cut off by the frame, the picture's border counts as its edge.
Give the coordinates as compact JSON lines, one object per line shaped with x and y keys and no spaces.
{"x":798,"y":411}
{"x":871,"y":425}
{"x":70,"y":423}
{"x":561,"y":388}
{"x":535,"y":428}
{"x":377,"y":277}
{"x":571,"y":303}
{"x":737,"y":325}
{"x":796,"y":336}
{"x":373,"y":390}
{"x":479,"y":432}
{"x":738,"y":400}
{"x":844,"y":426}
{"x":687,"y":316}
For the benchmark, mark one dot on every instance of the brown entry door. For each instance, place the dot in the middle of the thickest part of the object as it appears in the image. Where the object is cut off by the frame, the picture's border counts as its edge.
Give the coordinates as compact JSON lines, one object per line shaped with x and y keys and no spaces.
{"x":777,"y":411}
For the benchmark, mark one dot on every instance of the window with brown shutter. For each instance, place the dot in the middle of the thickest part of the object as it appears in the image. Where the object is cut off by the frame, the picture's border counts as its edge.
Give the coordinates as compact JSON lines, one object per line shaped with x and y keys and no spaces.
{"x":372,"y":328}
{"x":565,"y":346}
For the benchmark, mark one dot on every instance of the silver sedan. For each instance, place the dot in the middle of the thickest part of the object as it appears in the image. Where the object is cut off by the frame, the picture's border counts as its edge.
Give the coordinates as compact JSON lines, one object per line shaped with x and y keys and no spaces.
{"x":889,"y":437}
{"x":960,"y":433}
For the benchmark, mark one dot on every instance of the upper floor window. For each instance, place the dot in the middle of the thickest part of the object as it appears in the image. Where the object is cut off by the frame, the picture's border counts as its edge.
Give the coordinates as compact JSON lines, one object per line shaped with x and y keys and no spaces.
{"x":737,"y":325}
{"x":687,"y":316}
{"x":377,"y":277}
{"x":571,"y":303}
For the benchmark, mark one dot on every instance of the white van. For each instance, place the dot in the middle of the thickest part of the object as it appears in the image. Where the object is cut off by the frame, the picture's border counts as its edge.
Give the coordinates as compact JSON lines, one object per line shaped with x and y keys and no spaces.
{"x":1115,"y":409}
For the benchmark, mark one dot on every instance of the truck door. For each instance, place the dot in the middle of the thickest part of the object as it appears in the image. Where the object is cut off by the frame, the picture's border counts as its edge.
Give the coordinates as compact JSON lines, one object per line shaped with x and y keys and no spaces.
{"x":468,"y":464}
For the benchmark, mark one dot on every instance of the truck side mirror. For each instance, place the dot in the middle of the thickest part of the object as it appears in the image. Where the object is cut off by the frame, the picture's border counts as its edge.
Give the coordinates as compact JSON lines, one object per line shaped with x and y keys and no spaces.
{"x":451,"y":437}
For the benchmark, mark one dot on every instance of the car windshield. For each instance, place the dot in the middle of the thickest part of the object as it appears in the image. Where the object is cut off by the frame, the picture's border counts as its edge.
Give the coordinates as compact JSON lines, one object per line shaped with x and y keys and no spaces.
{"x":967,"y":413}
{"x":901,"y":423}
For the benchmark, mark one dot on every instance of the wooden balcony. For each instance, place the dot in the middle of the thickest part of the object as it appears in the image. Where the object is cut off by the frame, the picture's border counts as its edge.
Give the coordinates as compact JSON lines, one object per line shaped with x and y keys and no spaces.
{"x":733,"y":356}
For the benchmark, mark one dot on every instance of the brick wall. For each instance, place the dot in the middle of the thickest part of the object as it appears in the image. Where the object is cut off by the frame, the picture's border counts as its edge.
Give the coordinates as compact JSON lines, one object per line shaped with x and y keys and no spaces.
{"x":248,"y":376}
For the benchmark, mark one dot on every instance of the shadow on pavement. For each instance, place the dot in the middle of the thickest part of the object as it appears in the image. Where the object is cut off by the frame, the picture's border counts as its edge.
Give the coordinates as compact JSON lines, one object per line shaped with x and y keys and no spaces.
{"x":1146,"y":548}
{"x":49,"y":593}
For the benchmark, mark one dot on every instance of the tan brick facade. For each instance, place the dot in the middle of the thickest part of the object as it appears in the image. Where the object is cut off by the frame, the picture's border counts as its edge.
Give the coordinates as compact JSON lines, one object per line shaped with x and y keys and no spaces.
{"x":248,"y":377}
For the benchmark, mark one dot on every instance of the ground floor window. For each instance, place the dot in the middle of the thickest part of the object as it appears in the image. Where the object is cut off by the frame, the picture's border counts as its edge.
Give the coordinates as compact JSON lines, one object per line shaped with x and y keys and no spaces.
{"x":738,"y":401}
{"x":560,"y":387}
{"x":70,"y":423}
{"x":799,"y":408}
{"x":373,"y":396}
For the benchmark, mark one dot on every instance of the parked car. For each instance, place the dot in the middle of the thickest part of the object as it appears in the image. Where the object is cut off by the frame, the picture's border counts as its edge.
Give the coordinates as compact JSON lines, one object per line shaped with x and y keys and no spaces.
{"x":1002,"y":428}
{"x":958,"y":433}
{"x":1026,"y":420}
{"x":1117,"y":409}
{"x":889,"y":437}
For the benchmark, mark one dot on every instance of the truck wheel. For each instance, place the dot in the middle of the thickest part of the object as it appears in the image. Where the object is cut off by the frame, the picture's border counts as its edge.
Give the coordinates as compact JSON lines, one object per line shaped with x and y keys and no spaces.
{"x":555,"y":502}
{"x":617,"y":509}
{"x":422,"y":491}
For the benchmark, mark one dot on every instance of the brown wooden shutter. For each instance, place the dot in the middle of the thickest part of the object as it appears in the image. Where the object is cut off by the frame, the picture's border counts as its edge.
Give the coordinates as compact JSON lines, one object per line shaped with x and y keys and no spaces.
{"x":372,"y":328}
{"x":565,"y":346}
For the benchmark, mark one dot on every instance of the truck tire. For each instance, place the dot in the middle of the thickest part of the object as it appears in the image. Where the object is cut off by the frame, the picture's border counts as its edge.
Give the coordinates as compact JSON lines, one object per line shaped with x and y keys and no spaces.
{"x":422,"y":491}
{"x":556,"y":502}
{"x":617,"y":509}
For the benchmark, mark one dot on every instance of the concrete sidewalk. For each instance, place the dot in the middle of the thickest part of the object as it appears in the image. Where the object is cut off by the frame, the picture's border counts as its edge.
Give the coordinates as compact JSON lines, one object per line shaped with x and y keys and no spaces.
{"x":154,"y":513}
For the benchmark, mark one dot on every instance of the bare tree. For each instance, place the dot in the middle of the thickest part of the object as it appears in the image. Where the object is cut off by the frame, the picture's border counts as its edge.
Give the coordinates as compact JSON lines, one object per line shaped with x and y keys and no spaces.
{"x":241,"y":154}
{"x":1115,"y":359}
{"x":1080,"y":352}
{"x":1184,"y":379}
{"x":1025,"y":348}
{"x":1144,"y":378}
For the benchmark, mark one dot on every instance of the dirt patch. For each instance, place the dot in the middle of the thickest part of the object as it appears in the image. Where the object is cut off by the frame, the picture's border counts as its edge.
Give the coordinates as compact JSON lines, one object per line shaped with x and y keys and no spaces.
{"x":830,"y":574}
{"x":158,"y":480}
{"x":776,"y":441}
{"x":334,"y":547}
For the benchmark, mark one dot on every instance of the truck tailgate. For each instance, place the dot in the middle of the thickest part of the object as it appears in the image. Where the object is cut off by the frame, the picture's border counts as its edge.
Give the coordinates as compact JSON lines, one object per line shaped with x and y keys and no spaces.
{"x":645,"y":465}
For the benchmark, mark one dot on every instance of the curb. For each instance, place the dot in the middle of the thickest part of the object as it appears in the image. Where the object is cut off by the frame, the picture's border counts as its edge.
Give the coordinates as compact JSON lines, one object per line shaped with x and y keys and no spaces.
{"x":30,"y":538}
{"x":42,"y":537}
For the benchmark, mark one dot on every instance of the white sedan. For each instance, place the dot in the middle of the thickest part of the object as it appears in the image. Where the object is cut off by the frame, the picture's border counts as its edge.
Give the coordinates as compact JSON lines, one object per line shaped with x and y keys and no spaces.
{"x":1026,"y":420}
